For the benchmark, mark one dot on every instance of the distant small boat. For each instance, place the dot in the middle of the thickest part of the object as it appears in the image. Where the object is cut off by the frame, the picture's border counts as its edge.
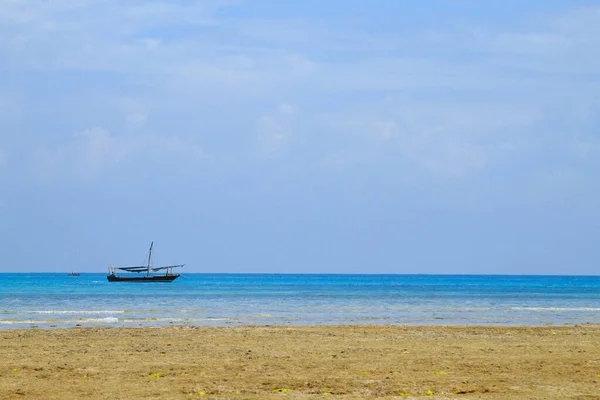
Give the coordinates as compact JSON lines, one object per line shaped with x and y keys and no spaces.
{"x":73,"y":274}
{"x":147,"y":269}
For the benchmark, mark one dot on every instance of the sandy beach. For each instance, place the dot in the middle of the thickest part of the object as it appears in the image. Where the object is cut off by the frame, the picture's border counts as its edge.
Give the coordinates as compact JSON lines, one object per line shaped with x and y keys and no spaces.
{"x":301,"y":363}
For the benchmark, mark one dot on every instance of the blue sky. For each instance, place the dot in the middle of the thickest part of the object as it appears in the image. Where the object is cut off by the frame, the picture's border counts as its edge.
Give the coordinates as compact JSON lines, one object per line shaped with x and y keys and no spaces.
{"x":277,"y":136}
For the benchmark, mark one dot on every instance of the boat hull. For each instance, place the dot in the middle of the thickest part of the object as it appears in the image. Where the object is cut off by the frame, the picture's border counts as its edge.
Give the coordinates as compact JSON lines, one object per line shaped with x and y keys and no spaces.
{"x":155,"y":278}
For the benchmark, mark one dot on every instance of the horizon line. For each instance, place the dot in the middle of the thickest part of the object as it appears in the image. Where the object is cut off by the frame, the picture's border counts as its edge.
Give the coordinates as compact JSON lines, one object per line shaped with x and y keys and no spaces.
{"x":327,"y":273}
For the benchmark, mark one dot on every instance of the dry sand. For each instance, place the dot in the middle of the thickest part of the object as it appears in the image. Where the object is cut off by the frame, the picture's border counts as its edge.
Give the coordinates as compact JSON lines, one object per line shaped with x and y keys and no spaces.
{"x":301,"y":363}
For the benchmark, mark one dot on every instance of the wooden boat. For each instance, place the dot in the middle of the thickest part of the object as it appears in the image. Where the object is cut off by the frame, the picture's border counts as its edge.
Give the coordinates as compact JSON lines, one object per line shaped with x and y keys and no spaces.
{"x":73,"y":274}
{"x":169,"y":276}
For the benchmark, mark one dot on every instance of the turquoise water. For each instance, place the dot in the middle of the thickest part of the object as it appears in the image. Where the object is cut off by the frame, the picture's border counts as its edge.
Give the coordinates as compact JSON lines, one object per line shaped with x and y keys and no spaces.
{"x":57,"y":300}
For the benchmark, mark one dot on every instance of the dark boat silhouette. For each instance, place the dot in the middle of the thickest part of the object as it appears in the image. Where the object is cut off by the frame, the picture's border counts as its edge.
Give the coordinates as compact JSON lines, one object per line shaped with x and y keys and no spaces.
{"x":169,"y":276}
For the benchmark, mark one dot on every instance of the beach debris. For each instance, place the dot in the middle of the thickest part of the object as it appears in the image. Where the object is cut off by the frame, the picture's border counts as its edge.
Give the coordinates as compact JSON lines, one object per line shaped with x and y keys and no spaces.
{"x":597,"y":376}
{"x":440,"y":373}
{"x":282,"y":390}
{"x":429,"y":392}
{"x":327,"y":391}
{"x":200,"y":393}
{"x":15,"y":369}
{"x":85,"y":376}
{"x":155,"y":375}
{"x":396,"y":373}
{"x":201,"y":373}
{"x":403,"y":394}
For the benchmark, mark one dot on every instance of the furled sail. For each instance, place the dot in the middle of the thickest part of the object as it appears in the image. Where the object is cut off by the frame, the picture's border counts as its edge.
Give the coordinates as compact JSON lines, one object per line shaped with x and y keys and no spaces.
{"x":145,"y":269}
{"x":166,"y":267}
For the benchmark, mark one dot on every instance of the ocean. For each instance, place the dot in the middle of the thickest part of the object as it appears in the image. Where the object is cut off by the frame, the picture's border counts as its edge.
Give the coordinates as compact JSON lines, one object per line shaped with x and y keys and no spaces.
{"x":54,"y":300}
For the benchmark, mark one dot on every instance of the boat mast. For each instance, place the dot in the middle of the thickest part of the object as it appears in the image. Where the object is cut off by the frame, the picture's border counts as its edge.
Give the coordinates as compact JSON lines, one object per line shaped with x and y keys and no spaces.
{"x":149,"y":256}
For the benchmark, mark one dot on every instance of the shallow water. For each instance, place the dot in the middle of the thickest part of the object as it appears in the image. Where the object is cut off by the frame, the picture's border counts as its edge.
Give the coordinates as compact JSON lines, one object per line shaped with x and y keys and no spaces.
{"x":57,"y":300}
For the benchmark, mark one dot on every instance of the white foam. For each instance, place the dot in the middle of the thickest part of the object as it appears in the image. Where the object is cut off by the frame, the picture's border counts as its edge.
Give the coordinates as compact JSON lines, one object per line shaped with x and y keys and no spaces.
{"x":85,"y":312}
{"x":555,"y":309}
{"x":111,"y":320}
{"x":16,"y":322}
{"x":57,"y":321}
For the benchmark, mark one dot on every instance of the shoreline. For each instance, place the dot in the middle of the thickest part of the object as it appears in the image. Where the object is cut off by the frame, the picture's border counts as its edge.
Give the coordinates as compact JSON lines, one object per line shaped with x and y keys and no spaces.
{"x":34,"y":327}
{"x":349,"y":362}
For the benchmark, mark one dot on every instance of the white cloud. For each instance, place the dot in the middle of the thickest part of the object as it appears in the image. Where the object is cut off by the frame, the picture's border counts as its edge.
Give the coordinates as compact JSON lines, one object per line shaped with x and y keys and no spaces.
{"x":275,"y":129}
{"x":246,"y":57}
{"x":85,"y":154}
{"x":285,"y":108}
{"x":272,"y":133}
{"x":96,"y":147}
{"x":136,"y":119}
{"x":462,"y":93}
{"x":386,"y":130}
{"x":433,"y":148}
{"x":134,"y":110}
{"x":161,"y":145}
{"x":98,"y":35}
{"x":441,"y":153}
{"x":585,"y":149}
{"x":96,"y":150}
{"x":450,"y":139}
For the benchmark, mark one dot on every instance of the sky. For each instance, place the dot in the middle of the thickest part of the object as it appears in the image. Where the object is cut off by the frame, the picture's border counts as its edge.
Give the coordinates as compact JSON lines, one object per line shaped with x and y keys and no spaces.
{"x":278,"y":136}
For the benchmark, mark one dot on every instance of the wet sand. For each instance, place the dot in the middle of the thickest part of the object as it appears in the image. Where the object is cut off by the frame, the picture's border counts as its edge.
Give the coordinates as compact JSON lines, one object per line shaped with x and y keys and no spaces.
{"x":301,"y":363}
